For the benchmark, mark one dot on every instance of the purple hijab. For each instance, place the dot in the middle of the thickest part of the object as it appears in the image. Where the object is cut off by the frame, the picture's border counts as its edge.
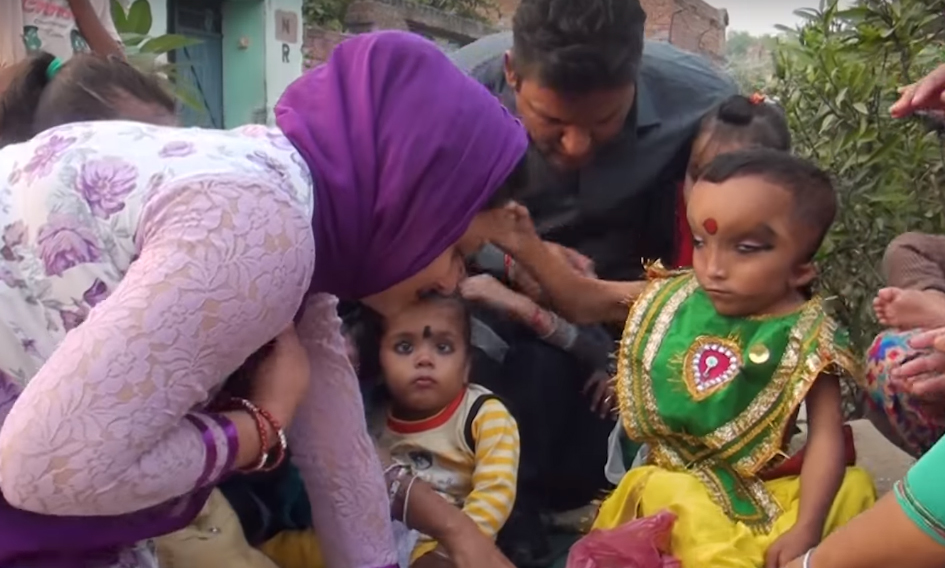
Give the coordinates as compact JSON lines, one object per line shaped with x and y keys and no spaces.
{"x":405,"y":150}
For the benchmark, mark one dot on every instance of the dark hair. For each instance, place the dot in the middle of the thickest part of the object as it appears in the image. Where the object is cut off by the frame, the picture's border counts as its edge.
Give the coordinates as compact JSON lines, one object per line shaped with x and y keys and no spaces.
{"x":578,"y":46}
{"x":749,"y":121}
{"x":513,"y":188}
{"x":87,"y":87}
{"x":815,"y":200}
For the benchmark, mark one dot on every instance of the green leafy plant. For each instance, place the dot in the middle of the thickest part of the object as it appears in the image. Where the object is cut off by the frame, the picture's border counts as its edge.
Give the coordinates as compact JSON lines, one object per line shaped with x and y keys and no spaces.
{"x":837,"y":75}
{"x":750,"y":60}
{"x":149,"y":53}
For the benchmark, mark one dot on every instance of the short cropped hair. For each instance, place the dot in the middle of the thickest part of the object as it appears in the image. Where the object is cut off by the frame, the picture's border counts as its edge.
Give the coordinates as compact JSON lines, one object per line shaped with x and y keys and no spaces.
{"x":578,"y":46}
{"x":815,"y":199}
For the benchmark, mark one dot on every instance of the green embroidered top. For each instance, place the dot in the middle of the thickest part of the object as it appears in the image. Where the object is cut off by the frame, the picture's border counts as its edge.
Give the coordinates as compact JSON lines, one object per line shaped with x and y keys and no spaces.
{"x":714,"y":395}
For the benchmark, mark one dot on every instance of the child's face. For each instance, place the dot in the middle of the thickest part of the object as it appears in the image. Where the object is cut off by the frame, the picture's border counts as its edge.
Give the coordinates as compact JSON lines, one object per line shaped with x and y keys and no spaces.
{"x":424,"y":359}
{"x":748,"y":246}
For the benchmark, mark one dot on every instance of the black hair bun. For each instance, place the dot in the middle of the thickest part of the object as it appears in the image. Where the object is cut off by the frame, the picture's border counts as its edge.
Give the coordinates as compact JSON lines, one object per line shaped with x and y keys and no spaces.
{"x":738,"y":110}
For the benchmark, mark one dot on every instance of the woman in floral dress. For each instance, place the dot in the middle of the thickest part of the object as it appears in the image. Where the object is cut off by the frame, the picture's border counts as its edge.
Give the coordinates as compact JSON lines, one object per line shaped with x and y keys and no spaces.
{"x":141,"y":265}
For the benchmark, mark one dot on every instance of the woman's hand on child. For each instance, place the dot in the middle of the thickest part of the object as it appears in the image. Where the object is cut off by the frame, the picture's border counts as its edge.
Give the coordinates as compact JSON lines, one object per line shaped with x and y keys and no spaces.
{"x":926,"y":95}
{"x":790,"y":546}
{"x":282,"y":378}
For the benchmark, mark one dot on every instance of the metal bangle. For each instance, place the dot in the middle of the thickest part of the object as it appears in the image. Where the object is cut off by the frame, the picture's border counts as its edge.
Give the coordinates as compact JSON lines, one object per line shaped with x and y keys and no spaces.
{"x":806,"y":562}
{"x":403,"y":517}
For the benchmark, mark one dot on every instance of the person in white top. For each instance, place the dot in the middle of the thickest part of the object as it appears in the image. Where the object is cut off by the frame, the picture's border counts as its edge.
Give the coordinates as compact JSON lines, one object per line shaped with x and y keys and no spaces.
{"x":59,"y":27}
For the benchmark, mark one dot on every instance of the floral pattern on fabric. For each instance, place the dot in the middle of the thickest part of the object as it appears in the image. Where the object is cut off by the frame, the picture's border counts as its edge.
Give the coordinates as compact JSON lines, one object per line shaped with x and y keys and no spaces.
{"x":139,"y":266}
{"x":918,"y":428}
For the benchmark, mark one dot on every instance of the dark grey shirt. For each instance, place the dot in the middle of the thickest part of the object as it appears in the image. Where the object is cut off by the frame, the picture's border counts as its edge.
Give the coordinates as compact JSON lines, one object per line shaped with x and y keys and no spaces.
{"x":620,"y":209}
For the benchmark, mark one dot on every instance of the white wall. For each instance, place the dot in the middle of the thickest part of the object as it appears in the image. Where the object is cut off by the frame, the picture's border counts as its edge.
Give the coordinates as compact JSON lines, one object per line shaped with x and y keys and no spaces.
{"x":159,"y":17}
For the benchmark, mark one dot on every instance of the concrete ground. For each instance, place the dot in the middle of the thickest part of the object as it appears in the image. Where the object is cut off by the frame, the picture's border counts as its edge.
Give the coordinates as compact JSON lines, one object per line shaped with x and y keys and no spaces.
{"x":874,"y":453}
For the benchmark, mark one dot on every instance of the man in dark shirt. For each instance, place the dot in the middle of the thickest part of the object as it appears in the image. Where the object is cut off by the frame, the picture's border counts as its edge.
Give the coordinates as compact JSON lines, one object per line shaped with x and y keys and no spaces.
{"x":611,"y":119}
{"x":612,"y":129}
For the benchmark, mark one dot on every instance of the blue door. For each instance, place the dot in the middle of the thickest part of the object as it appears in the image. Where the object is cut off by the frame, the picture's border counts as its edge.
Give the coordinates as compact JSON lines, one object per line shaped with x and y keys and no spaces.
{"x":200,"y":66}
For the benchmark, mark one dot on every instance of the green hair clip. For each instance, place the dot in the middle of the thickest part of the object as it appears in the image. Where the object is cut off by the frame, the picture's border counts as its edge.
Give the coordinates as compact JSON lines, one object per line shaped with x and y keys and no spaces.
{"x":54,"y":66}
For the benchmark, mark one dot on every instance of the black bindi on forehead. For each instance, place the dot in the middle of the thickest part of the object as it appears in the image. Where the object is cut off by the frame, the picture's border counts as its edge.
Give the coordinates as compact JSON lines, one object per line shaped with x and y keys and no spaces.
{"x":427,"y":332}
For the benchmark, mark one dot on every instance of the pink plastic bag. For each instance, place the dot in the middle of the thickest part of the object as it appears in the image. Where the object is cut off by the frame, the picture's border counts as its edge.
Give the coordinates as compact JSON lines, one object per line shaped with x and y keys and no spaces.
{"x":643,"y":543}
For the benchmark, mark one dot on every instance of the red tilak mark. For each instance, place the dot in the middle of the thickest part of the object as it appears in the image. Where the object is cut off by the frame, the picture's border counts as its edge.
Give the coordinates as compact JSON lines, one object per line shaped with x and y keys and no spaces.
{"x":711,"y":226}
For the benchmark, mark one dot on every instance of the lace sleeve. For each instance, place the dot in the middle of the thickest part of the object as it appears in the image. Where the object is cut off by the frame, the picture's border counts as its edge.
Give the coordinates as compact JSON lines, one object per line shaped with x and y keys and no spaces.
{"x":105,"y":427}
{"x":336,"y":456}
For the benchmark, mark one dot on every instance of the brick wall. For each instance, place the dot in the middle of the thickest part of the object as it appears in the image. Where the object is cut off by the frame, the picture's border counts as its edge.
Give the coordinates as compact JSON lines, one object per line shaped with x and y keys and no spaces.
{"x":501,"y":16}
{"x":447,"y":30}
{"x":318,"y":45}
{"x":693,"y":25}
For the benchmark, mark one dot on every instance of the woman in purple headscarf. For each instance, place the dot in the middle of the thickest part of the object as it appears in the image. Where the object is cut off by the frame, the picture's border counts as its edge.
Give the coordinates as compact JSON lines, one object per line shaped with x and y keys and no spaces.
{"x":141,"y":265}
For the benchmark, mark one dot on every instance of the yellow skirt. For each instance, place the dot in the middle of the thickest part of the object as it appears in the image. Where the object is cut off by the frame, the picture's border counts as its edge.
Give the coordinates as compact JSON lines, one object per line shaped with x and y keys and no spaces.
{"x":704,"y":536}
{"x":294,"y":549}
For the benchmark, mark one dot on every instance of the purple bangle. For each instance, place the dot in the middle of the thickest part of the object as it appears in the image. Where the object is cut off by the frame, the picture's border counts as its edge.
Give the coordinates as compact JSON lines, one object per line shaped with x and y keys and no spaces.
{"x":210,"y":443}
{"x":232,"y":440}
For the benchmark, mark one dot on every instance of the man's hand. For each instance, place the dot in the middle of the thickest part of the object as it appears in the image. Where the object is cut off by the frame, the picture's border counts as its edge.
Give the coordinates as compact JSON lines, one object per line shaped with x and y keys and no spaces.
{"x":926,"y":95}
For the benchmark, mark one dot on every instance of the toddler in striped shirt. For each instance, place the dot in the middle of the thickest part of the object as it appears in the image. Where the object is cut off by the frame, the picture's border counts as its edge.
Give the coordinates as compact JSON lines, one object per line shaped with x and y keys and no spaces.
{"x":458,"y":437}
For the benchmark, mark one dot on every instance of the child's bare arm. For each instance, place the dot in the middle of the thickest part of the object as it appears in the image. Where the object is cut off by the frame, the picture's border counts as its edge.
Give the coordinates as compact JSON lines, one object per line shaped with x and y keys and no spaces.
{"x":93,"y":29}
{"x":580,"y":299}
{"x":821,"y":474}
{"x":824,"y":467}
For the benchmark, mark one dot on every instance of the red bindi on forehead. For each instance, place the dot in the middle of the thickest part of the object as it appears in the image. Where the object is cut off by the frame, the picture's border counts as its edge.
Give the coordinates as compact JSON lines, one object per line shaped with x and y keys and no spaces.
{"x":710,"y":225}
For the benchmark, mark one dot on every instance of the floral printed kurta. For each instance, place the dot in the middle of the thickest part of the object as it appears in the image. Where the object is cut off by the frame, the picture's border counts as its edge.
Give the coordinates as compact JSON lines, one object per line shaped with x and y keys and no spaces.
{"x":139,"y":266}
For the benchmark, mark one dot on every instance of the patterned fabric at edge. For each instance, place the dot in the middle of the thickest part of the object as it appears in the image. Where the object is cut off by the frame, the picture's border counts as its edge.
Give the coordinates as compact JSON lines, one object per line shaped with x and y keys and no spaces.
{"x":918,"y":425}
{"x":95,"y":284}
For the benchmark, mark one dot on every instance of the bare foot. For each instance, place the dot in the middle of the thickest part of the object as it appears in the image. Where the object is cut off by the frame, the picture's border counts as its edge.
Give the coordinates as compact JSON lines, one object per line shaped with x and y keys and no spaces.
{"x":910,"y":309}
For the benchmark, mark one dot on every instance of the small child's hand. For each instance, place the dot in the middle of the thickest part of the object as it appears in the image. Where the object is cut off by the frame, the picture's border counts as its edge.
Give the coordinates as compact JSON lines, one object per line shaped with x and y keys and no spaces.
{"x":600,"y":389}
{"x":525,"y":283}
{"x":791,"y":546}
{"x":486,"y":289}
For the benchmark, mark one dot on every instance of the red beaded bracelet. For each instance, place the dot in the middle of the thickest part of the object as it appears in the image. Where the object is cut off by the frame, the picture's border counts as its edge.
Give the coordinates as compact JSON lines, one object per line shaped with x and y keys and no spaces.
{"x":258,"y":417}
{"x":261,"y":417}
{"x":283,"y":442}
